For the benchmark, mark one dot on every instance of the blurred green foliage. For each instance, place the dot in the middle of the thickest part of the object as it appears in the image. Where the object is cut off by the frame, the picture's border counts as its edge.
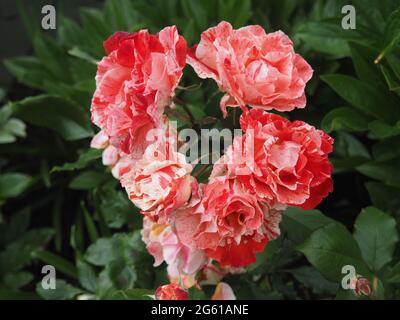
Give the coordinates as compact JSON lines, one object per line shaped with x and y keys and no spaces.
{"x":61,"y":206}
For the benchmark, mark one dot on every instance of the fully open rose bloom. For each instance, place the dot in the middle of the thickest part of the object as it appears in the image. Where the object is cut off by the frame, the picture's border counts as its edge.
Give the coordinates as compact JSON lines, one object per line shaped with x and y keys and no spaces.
{"x":252,"y":67}
{"x":229,"y":223}
{"x":134,"y":83}
{"x":159,"y":182}
{"x":279,"y":160}
{"x":163,"y":244}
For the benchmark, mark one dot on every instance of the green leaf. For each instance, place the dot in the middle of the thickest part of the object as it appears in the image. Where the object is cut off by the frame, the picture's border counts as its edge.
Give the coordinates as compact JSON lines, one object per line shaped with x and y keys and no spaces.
{"x":117,"y":209}
{"x":17,"y":280}
{"x":12,"y":184}
{"x":88,"y":180}
{"x":384,"y":151}
{"x":376,"y":235}
{"x":85,"y":158}
{"x":28,"y":70}
{"x":29,"y":18}
{"x":15,"y":127}
{"x":345,"y":118}
{"x":69,"y":32}
{"x":101,"y":252}
{"x":384,"y":197}
{"x":336,"y":47}
{"x":61,"y":115}
{"x":196,"y":294}
{"x":394,"y":274}
{"x":363,"y":59}
{"x":331,"y":28}
{"x":381,"y":130}
{"x":386,"y":171}
{"x":58,"y":262}
{"x":122,"y":272}
{"x":79,"y":53}
{"x":393,"y":62}
{"x":63,"y":291}
{"x":327,"y":36}
{"x":10,"y":128}
{"x":121,"y":15}
{"x":15,"y":228}
{"x":18,"y":253}
{"x":52,"y":56}
{"x":312,"y":279}
{"x":330,"y":248}
{"x":90,"y":225}
{"x":364,"y":96}
{"x":130,"y":294}
{"x":3,"y":94}
{"x":391,"y":35}
{"x":196,"y":10}
{"x":10,"y":294}
{"x":265,"y":257}
{"x":95,"y":31}
{"x":122,"y":256}
{"x":392,"y":81}
{"x":237,"y":12}
{"x":299,"y":223}
{"x":87,"y":276}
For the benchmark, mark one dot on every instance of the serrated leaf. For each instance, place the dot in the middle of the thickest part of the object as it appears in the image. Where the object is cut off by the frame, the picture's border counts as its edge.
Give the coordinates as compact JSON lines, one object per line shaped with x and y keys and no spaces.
{"x":63,"y":291}
{"x":376,"y":235}
{"x":87,"y":276}
{"x":299,"y":223}
{"x":101,"y":252}
{"x":330,"y":248}
{"x":17,"y":254}
{"x":312,"y":279}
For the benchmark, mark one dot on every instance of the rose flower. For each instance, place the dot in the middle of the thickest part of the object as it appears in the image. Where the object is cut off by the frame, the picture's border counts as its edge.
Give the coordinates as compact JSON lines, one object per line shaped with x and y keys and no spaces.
{"x":229,"y":224}
{"x":252,"y":67}
{"x":159,"y":182}
{"x":134,"y":83}
{"x":163,"y":244}
{"x":279,"y":160}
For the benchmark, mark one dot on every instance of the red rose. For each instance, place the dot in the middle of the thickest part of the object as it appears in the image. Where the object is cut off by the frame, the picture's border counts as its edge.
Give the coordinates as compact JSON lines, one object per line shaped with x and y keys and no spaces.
{"x":134,"y":83}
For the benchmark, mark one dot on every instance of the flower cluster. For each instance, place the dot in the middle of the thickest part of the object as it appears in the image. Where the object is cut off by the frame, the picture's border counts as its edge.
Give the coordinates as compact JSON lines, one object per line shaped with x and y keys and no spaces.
{"x":204,"y":231}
